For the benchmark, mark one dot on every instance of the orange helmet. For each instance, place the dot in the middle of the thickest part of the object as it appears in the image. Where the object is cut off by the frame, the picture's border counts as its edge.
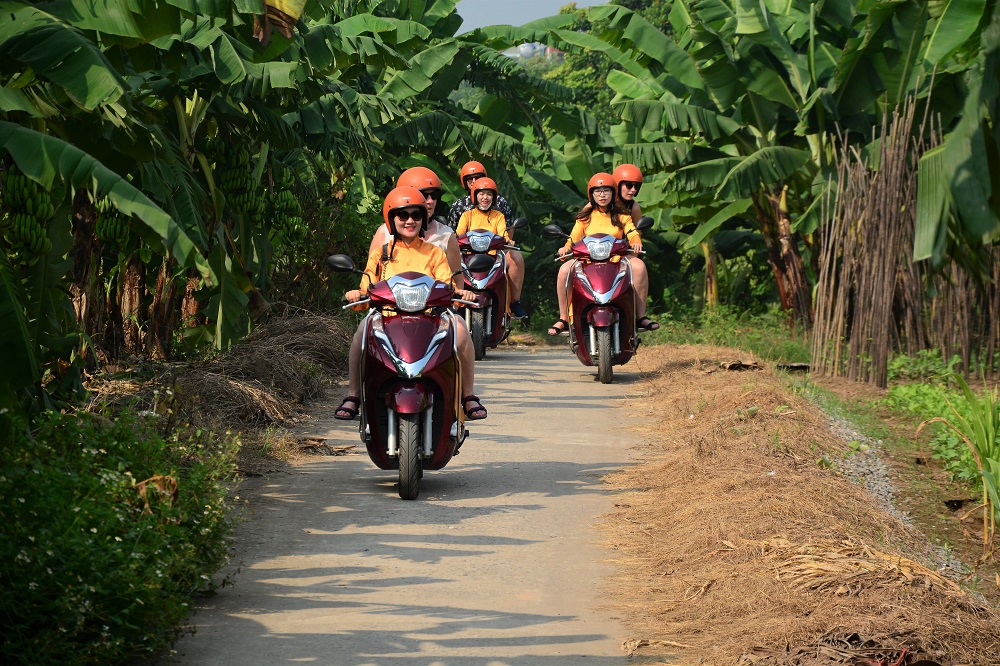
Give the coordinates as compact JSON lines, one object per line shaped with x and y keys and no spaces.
{"x":601,"y":180}
{"x":419,"y":177}
{"x":627,"y":172}
{"x":470,"y":168}
{"x":402,"y":197}
{"x":483,"y":184}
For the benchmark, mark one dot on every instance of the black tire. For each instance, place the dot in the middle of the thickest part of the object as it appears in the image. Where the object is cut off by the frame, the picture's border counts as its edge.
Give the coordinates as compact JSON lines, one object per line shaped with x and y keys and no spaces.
{"x":477,"y":329}
{"x":409,"y":455}
{"x":605,"y":355}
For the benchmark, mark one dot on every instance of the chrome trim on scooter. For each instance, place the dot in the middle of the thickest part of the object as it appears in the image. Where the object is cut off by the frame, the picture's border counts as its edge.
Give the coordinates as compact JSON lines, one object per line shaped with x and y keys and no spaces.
{"x":429,"y":430}
{"x":392,"y":443}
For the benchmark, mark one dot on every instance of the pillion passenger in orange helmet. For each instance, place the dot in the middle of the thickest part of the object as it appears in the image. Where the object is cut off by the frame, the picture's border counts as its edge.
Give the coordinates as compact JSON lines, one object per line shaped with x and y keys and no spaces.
{"x":628,"y":180}
{"x":427,"y":182}
{"x":475,"y":168}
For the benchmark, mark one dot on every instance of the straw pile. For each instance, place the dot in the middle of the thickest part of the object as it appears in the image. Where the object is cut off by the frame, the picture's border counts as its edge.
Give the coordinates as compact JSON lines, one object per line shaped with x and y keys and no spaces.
{"x":735,"y":546}
{"x":267,"y":377}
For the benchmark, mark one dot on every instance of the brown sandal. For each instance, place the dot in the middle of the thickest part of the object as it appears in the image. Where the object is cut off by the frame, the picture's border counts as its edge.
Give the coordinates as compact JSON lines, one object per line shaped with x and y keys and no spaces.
{"x":350,"y":412}
{"x":477,"y":412}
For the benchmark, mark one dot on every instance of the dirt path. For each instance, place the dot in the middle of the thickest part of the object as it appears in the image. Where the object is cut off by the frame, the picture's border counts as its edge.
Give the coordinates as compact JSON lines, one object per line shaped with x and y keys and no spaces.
{"x":496,"y":563}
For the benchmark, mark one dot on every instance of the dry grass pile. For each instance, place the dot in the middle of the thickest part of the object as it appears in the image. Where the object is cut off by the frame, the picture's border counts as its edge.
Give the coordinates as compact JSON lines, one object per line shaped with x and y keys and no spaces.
{"x":735,"y":544}
{"x":265,"y":378}
{"x":260,"y":382}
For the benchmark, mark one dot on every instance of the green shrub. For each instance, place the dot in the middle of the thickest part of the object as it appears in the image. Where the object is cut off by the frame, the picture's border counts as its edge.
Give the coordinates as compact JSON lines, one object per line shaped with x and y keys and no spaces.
{"x":925,"y":366}
{"x":928,"y":401}
{"x":768,"y":335}
{"x":91,"y":570}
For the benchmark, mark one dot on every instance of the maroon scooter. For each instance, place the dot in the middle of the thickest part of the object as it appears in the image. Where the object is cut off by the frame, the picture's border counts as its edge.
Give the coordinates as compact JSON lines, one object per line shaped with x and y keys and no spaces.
{"x":411,"y":379}
{"x":602,"y":301}
{"x":489,"y":321}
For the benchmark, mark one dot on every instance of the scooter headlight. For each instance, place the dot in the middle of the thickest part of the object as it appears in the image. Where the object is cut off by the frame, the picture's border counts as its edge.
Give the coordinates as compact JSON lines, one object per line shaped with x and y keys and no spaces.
{"x":480,"y":242}
{"x":599,"y":250}
{"x":411,"y":297}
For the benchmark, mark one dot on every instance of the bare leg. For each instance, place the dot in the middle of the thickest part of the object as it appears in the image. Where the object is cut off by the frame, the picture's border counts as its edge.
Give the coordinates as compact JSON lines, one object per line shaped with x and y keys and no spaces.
{"x":561,"y":289}
{"x":467,"y":357}
{"x":515,"y":272}
{"x":354,"y":370}
{"x":640,"y":282}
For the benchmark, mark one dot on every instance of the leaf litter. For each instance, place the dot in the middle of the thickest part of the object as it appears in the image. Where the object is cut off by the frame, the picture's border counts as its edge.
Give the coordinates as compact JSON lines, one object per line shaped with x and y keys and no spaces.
{"x":734,"y":544}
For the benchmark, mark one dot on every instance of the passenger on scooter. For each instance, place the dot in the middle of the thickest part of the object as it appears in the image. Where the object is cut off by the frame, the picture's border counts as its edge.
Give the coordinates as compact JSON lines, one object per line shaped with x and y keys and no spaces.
{"x":468,"y":174}
{"x":436,"y":232}
{"x":486,"y":216}
{"x":405,"y":214}
{"x":628,"y":180}
{"x":603,"y":216}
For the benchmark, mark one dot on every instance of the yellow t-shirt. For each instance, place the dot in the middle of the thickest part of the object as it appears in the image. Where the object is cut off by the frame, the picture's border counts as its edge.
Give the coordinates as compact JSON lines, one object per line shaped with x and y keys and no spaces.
{"x":475,"y":220}
{"x":600,"y":223}
{"x":419,"y":256}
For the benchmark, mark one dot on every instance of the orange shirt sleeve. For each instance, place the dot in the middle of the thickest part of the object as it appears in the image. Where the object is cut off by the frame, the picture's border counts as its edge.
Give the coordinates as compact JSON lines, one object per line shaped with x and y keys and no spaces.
{"x":372,"y":270}
{"x":463,"y":222}
{"x":579,"y":231}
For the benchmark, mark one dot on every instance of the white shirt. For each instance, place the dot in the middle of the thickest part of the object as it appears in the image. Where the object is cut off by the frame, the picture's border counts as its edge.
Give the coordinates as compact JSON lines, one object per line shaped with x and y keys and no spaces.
{"x":436,"y":234}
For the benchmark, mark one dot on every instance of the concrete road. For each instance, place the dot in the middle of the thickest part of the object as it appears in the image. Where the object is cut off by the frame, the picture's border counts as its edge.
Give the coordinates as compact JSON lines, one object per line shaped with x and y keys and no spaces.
{"x":496,"y":563}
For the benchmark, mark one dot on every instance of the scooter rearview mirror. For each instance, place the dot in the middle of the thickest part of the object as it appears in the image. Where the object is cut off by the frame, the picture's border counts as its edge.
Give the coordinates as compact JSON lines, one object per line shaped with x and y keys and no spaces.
{"x":520,"y":223}
{"x":341,"y":263}
{"x":554,"y":231}
{"x":645,"y":222}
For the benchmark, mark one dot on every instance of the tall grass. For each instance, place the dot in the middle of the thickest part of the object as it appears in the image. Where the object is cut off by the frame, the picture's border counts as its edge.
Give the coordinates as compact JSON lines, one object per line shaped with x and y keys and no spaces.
{"x":979,"y":430}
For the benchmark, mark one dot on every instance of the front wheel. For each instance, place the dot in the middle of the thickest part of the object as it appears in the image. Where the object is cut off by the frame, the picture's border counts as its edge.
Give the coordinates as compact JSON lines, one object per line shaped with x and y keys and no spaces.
{"x":477,"y":329}
{"x":409,"y":456}
{"x":604,"y":356}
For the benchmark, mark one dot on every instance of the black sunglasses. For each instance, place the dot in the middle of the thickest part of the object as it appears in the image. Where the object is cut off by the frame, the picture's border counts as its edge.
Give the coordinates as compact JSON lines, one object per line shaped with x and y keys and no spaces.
{"x":431,"y":194}
{"x":416,"y":215}
{"x":630,"y":185}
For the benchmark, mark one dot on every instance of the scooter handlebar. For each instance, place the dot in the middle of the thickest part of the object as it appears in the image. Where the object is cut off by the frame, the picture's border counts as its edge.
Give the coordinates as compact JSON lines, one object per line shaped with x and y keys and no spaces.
{"x":355,"y":304}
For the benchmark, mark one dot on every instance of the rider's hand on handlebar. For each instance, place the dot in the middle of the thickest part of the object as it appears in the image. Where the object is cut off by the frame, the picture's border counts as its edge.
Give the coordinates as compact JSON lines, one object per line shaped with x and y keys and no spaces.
{"x":636,"y":244}
{"x":563,"y":251}
{"x":353,"y":296}
{"x":465,"y":294}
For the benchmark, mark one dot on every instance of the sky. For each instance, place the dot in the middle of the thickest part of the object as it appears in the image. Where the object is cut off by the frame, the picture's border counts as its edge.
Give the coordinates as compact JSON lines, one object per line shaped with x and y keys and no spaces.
{"x":477,"y":13}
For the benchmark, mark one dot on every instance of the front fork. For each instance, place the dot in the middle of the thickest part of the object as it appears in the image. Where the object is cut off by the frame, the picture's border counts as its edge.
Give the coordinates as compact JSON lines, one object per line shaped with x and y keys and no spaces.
{"x":616,"y":339}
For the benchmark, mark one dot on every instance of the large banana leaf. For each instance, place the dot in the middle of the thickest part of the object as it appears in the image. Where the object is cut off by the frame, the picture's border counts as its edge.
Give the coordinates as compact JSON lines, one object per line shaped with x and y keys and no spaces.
{"x":423,"y":67}
{"x":58,"y":53}
{"x":226,"y":310}
{"x":727,"y":213}
{"x":632,"y":30}
{"x":45,"y":158}
{"x":678,"y":118}
{"x":956,"y":25}
{"x":766,"y":166}
{"x":119,"y":18}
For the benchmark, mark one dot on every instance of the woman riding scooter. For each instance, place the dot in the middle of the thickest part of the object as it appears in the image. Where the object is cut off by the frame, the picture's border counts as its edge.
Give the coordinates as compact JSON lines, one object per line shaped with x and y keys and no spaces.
{"x":602,"y":215}
{"x":405,"y":214}
{"x":436,"y":232}
{"x":486,"y":216}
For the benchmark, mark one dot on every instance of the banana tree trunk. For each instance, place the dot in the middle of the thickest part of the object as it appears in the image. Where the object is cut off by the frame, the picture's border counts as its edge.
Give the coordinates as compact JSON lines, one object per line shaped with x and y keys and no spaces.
{"x":130,"y":292}
{"x":162,"y":318}
{"x":711,"y":278}
{"x":783,"y":253}
{"x":85,"y":289}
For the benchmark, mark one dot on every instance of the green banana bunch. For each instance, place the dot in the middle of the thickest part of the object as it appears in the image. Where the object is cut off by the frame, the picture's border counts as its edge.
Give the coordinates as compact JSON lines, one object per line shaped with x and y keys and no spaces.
{"x":27,"y":235}
{"x":111,"y":225}
{"x":23,"y":195}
